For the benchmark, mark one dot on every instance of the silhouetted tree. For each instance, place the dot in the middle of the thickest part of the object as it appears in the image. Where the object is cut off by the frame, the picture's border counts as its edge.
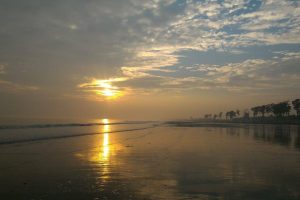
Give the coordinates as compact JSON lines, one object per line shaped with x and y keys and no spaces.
{"x":278,"y":109}
{"x":246,"y":114}
{"x":281,"y":109}
{"x":269,"y":108}
{"x":230,"y":114}
{"x":255,"y":111}
{"x":207,"y":116}
{"x":262,"y":110}
{"x":237,"y":112}
{"x":220,"y":115}
{"x":259,"y":109}
{"x":296,"y":105}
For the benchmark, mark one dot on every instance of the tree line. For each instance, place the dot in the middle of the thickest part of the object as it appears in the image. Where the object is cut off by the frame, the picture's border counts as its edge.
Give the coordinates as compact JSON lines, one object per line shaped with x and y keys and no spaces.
{"x":280,"y":109}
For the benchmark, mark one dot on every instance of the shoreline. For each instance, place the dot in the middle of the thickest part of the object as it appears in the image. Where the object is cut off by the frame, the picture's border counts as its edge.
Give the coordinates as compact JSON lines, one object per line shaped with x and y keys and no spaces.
{"x":235,"y":122}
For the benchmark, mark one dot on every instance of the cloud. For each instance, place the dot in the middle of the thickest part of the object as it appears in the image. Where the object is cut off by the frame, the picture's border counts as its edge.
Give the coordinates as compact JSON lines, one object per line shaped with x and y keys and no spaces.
{"x":9,"y":86}
{"x":154,"y":59}
{"x":100,"y":90}
{"x":141,"y":41}
{"x":205,"y":25}
{"x":15,"y":87}
{"x":255,"y":75}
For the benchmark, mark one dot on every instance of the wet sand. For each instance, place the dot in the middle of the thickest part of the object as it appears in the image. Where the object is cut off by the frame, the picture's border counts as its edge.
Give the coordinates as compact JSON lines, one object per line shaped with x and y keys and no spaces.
{"x":166,"y":162}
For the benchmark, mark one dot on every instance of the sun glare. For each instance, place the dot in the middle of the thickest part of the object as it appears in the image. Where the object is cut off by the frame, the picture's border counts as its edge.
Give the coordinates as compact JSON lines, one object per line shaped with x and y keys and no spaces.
{"x":105,"y":121}
{"x":106,"y":87}
{"x":107,"y":90}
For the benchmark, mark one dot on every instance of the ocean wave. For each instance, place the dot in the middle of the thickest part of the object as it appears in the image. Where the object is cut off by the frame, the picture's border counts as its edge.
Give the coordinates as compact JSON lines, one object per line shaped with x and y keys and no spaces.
{"x":69,"y":135}
{"x":16,"y":126}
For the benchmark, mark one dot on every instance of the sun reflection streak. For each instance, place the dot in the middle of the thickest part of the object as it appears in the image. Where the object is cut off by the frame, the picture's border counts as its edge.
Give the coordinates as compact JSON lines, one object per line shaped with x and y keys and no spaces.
{"x":103,"y":155}
{"x":105,"y":145}
{"x":105,"y":151}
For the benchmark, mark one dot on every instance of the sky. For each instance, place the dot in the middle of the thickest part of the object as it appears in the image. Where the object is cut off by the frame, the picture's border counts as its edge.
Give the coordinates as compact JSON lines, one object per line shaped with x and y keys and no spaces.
{"x":146,"y":59}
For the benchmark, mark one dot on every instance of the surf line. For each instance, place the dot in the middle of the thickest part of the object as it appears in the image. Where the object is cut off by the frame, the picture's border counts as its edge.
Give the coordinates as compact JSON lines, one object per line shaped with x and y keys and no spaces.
{"x":3,"y":127}
{"x":78,"y":135}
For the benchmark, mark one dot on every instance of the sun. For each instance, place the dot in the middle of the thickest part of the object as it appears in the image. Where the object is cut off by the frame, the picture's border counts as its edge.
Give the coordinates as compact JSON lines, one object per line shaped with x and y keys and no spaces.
{"x":107,"y":90}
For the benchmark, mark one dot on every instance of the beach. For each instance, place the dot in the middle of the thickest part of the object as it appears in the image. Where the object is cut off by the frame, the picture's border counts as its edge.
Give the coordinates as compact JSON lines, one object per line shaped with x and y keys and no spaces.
{"x":151,"y":161}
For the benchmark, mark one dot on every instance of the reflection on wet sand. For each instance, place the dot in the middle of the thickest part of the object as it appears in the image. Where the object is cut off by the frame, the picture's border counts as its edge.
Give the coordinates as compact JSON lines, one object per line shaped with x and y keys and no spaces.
{"x":280,"y":135}
{"x":105,"y":147}
{"x":275,"y":134}
{"x":245,"y":162}
{"x":167,"y":165}
{"x":101,"y":152}
{"x":104,"y":153}
{"x":297,"y":140}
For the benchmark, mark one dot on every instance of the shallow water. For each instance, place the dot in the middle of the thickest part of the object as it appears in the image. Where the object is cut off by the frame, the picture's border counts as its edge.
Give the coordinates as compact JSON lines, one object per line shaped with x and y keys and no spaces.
{"x":244,"y":162}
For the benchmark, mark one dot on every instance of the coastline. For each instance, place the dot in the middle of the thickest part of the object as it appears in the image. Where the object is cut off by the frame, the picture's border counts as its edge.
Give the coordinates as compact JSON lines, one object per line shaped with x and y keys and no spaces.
{"x":291,"y":120}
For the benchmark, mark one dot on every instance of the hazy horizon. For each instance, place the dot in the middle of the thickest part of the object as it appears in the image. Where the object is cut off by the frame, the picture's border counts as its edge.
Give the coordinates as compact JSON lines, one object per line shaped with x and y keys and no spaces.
{"x":146,"y":59}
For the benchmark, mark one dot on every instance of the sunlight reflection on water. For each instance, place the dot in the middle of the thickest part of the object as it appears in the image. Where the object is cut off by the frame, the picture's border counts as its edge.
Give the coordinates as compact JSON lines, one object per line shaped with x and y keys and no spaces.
{"x":105,"y":152}
{"x":196,"y":163}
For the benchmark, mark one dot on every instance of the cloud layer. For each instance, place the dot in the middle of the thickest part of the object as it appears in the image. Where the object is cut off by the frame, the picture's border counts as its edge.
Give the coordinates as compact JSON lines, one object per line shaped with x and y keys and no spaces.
{"x":150,"y":46}
{"x":165,"y":29}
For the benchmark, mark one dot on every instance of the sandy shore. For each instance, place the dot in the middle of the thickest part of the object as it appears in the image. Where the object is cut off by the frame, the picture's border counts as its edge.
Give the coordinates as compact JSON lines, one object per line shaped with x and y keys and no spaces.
{"x":208,"y":161}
